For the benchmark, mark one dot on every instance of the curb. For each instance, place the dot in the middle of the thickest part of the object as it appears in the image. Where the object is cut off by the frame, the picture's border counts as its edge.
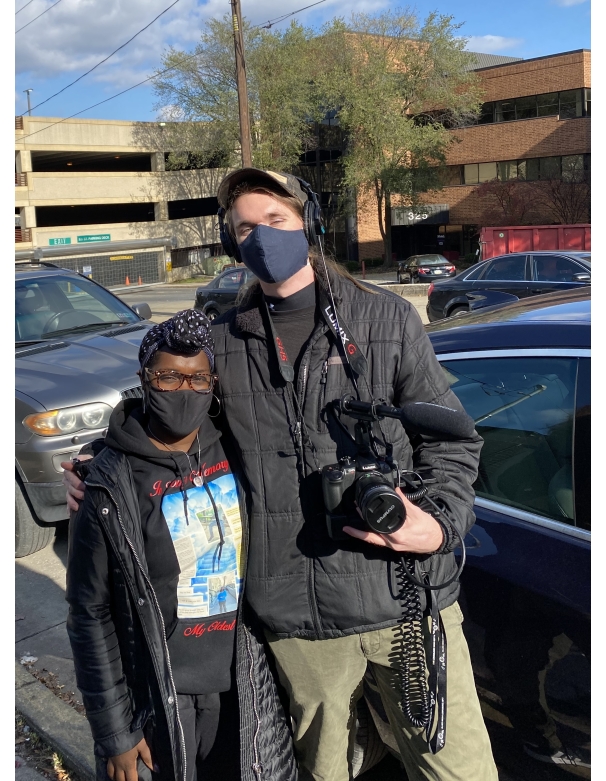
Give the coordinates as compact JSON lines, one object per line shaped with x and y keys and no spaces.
{"x":63,"y":728}
{"x":407,"y":290}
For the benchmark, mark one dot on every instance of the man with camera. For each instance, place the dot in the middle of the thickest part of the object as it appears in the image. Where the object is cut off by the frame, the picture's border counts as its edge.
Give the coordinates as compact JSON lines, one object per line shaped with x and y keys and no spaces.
{"x":328,"y":587}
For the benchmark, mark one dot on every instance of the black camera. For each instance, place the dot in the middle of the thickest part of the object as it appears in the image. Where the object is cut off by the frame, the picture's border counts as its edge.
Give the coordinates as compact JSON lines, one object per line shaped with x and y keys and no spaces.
{"x":368,"y":482}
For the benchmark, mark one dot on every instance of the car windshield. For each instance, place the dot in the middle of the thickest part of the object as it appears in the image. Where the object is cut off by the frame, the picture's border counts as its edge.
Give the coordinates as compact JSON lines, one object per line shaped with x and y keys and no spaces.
{"x":433,"y":260}
{"x":48,"y":306}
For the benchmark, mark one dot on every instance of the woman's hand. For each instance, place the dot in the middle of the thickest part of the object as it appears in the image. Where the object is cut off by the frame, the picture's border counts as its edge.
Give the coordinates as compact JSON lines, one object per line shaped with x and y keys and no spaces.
{"x":123,"y":767}
{"x":420,"y":533}
{"x":75,"y":486}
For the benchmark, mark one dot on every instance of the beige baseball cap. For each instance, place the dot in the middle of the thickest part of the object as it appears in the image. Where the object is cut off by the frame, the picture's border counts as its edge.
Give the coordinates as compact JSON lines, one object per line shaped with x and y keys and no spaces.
{"x":288,"y":183}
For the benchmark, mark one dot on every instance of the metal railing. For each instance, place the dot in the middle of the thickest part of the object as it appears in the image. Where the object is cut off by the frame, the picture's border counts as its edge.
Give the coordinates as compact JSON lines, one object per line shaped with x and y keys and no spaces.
{"x":22,"y":234}
{"x":20,"y":180}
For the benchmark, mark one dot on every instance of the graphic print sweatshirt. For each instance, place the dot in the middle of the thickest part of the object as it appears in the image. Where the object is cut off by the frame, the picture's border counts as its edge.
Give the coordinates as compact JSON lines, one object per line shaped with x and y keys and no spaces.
{"x":193,"y":545}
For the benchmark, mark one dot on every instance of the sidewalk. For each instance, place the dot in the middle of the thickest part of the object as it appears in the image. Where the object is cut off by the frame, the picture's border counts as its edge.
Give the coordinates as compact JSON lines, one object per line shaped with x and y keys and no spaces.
{"x":58,"y":724}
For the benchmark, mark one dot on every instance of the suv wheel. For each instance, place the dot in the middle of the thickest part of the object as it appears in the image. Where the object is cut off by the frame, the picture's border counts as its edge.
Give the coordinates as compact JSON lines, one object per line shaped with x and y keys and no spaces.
{"x":458,"y":310}
{"x":30,"y":536}
{"x":212,"y":314}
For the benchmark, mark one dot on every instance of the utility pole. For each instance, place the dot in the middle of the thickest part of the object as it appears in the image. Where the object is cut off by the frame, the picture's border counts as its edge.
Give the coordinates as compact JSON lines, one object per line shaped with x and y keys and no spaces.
{"x":245,"y":142}
{"x":29,"y":105}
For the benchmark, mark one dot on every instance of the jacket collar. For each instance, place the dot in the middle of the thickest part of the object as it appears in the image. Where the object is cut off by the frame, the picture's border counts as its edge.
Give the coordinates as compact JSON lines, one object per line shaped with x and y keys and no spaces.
{"x":249,"y":319}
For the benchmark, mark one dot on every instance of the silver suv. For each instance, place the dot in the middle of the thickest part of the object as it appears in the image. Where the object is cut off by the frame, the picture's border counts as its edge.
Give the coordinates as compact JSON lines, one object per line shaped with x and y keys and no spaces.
{"x":76,"y":358}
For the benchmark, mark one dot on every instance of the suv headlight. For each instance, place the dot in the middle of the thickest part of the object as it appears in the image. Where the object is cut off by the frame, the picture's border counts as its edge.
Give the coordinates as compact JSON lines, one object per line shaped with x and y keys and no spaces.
{"x":69,"y":420}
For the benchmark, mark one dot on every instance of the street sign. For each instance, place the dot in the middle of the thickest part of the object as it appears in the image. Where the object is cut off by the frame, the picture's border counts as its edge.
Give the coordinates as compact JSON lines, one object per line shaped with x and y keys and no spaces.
{"x":95,"y":237}
{"x":87,"y":269}
{"x":54,"y":242}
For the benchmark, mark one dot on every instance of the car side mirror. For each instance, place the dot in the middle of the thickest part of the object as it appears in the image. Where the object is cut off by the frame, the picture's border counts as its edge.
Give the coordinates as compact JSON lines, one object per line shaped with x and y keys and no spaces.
{"x":582,"y":276}
{"x":143,"y":310}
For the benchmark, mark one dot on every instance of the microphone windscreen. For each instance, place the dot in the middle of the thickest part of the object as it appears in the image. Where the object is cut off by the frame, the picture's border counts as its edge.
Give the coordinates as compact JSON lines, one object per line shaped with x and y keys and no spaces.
{"x":436,"y":421}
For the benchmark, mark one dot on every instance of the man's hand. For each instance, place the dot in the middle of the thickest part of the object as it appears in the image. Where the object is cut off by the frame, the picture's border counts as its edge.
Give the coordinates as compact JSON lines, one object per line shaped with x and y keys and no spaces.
{"x":123,"y":767}
{"x":75,"y":486}
{"x":421,"y":533}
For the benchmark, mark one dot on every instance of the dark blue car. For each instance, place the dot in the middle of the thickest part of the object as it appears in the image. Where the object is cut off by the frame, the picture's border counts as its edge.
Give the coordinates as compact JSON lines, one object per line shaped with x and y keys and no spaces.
{"x":522,"y":371}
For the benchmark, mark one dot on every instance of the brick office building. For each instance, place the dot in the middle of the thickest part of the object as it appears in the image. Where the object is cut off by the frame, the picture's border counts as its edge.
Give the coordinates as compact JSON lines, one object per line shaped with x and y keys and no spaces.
{"x":535,"y":124}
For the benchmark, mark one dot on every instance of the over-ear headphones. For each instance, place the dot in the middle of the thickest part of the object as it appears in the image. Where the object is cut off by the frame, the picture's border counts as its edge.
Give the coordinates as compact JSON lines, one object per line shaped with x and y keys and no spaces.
{"x":313,"y":226}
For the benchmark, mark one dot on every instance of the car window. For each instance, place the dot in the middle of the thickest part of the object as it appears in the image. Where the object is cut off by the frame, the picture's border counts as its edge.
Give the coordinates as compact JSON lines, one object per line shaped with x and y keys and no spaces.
{"x":554,"y":268}
{"x":507,"y":269}
{"x":476,"y":271}
{"x":231,"y":280}
{"x":524,"y":410}
{"x":434,"y":260}
{"x":45,"y":307}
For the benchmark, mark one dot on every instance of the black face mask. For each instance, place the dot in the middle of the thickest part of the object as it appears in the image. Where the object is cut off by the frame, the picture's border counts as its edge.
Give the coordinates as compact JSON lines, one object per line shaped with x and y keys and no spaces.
{"x":178,"y":412}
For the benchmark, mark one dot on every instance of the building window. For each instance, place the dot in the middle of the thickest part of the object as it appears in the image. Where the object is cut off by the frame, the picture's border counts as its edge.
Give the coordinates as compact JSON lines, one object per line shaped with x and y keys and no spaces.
{"x":573,"y":169}
{"x":487,"y":172}
{"x":567,"y":104}
{"x":471,"y":173}
{"x":507,"y":170}
{"x":549,"y":168}
{"x":505,"y":110}
{"x":547,"y":104}
{"x":451,"y":175}
{"x":526,"y":108}
{"x":486,"y":114}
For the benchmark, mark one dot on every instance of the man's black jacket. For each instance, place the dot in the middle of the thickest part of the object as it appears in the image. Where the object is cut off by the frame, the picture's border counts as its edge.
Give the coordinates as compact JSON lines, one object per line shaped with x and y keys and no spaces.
{"x":117,"y":636}
{"x":300,"y":583}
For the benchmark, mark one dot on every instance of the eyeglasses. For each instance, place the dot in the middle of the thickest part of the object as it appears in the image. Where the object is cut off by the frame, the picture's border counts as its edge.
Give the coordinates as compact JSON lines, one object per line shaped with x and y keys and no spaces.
{"x":169,"y":380}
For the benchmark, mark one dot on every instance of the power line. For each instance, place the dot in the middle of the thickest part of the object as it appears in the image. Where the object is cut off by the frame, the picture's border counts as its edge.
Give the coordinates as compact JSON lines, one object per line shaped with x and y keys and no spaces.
{"x":140,"y":83}
{"x":36,"y":17}
{"x":268,"y":25}
{"x":25,"y":6}
{"x":71,"y":84}
{"x":117,"y":95}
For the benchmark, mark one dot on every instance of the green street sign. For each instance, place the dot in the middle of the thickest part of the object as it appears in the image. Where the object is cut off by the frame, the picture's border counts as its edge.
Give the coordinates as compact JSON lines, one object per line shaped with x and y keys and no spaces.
{"x":54,"y":242}
{"x":96,"y":237}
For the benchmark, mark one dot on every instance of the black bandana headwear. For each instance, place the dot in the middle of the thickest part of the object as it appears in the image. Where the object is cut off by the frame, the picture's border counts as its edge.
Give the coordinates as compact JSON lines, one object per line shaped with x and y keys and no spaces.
{"x":188,"y":332}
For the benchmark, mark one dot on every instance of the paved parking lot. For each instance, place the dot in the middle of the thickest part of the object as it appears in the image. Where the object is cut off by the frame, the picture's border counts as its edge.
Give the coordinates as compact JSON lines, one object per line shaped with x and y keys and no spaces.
{"x":166,"y":300}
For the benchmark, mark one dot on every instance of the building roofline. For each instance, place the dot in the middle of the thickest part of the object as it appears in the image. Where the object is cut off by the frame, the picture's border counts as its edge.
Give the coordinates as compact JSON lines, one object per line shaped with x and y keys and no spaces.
{"x":532,"y":59}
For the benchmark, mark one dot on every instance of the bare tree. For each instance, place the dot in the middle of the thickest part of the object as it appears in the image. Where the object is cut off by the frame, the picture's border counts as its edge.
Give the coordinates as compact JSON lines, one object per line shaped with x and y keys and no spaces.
{"x":510,"y":202}
{"x":567,"y":198}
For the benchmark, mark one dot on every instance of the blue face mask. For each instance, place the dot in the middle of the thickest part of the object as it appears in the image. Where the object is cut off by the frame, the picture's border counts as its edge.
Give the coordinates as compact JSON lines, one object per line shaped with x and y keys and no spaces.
{"x":274,"y":255}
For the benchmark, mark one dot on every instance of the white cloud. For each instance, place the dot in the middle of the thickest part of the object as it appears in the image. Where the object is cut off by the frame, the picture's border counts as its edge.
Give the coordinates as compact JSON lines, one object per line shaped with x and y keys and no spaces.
{"x":567,"y":3}
{"x":489,"y":44}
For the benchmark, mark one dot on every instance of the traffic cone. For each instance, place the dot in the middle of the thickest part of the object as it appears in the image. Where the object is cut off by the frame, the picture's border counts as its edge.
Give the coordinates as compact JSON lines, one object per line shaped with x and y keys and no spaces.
{"x":139,"y":282}
{"x":127,"y":280}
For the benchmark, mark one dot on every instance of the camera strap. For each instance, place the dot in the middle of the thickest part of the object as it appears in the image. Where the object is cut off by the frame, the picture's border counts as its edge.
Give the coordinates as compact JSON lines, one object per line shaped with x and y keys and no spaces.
{"x":436,"y":683}
{"x":352,"y":356}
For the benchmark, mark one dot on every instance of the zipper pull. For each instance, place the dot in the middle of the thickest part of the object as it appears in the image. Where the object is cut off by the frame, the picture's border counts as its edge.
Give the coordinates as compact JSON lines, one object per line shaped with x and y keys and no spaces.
{"x":324,"y":373}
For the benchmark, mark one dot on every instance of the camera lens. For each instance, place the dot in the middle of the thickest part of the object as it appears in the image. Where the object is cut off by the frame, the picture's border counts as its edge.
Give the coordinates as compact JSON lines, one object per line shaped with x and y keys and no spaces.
{"x":380,"y":505}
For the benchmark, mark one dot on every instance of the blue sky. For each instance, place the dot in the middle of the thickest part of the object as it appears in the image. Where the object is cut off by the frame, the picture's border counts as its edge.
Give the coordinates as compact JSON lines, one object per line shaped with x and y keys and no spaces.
{"x":75,"y":35}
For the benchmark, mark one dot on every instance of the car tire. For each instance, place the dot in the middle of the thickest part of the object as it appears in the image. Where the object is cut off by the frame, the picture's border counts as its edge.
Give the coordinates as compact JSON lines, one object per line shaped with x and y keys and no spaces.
{"x":30,"y":536}
{"x":212,"y":314}
{"x":458,"y":310}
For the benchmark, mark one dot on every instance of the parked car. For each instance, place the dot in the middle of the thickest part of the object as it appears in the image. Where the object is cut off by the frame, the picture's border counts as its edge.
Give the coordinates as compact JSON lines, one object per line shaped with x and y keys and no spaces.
{"x":220,"y":294}
{"x":517,"y":274}
{"x":425,"y":268}
{"x":76,"y":348}
{"x":522,"y":371}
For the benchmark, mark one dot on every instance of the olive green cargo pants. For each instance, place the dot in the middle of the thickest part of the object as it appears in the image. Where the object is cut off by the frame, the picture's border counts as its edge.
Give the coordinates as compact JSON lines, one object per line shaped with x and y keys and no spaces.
{"x":323,"y":681}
